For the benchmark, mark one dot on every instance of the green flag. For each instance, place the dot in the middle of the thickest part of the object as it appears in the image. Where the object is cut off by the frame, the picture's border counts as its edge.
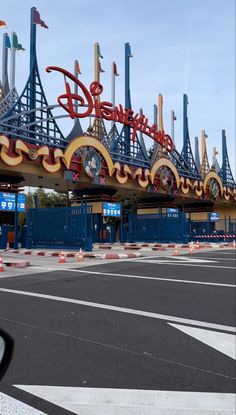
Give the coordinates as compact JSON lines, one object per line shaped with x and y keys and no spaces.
{"x":14,"y":40}
{"x":99,"y":52}
{"x":15,"y":44}
{"x":20,"y":47}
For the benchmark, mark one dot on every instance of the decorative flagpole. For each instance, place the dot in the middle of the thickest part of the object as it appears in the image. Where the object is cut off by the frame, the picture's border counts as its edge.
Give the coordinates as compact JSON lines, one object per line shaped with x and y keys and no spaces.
{"x":160,"y":122}
{"x":113,"y":92}
{"x":96,"y":63}
{"x":141,"y":114}
{"x":76,"y":73}
{"x":197,"y":156}
{"x":5,"y":46}
{"x":173,"y":119}
{"x":155,"y":115}
{"x":128,"y":55}
{"x":13,"y":61}
{"x":113,"y":86}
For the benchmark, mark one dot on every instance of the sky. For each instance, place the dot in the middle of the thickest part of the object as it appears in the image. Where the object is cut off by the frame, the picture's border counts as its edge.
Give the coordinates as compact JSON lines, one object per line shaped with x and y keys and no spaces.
{"x":178,"y":46}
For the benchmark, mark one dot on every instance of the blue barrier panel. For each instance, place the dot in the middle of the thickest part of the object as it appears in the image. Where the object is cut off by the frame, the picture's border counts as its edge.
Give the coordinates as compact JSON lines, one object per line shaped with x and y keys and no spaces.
{"x":3,"y":236}
{"x":157,"y":228}
{"x":64,"y":227}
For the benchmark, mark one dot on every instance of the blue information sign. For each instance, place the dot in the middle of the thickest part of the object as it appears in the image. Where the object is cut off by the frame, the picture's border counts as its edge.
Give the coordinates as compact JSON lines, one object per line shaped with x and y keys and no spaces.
{"x":172,"y":212}
{"x":8,"y":202}
{"x":214,"y":217}
{"x":111,"y":209}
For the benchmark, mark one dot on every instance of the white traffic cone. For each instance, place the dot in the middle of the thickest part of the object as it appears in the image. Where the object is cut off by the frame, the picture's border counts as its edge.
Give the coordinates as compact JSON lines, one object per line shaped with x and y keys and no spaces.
{"x":191,"y":248}
{"x":80,"y":256}
{"x":176,"y":251}
{"x":1,"y":264}
{"x":62,"y":258}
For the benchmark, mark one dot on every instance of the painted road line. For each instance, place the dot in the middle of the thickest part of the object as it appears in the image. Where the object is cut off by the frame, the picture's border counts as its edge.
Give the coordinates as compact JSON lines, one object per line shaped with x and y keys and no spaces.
{"x":111,"y":401}
{"x":181,"y":264}
{"x":123,"y":310}
{"x":11,"y":406}
{"x":224,"y":343}
{"x":178,"y":259}
{"x":109,"y":274}
{"x":219,"y":259}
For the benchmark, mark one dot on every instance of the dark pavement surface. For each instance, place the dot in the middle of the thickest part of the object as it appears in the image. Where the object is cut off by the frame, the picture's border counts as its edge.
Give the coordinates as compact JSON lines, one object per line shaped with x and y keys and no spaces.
{"x":57,"y":343}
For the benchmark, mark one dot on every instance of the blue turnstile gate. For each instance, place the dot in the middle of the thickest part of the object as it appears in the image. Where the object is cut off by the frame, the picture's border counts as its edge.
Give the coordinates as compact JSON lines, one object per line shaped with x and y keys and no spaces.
{"x":157,"y":228}
{"x":57,"y":228}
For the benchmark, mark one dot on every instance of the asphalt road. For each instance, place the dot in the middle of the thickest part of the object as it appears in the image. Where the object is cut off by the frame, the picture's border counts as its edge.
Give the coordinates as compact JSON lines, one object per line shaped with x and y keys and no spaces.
{"x":143,"y":324}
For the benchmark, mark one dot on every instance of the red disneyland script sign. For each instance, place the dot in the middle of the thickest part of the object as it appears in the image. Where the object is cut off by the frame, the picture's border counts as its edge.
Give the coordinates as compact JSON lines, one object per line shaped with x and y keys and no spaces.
{"x":104,"y":109}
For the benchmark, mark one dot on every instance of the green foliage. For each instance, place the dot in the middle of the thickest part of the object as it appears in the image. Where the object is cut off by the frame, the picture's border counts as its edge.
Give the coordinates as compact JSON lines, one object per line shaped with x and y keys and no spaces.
{"x":45,"y":200}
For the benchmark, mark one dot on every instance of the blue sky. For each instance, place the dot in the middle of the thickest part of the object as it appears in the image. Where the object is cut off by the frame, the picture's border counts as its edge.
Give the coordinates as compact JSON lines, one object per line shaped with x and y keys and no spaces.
{"x":179,"y":46}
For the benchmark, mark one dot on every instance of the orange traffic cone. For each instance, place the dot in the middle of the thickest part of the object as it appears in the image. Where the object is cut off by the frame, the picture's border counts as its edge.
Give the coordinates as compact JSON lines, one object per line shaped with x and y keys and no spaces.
{"x":191,"y":248}
{"x":80,"y":256}
{"x":197,"y":245}
{"x":176,"y":251}
{"x":62,"y":258}
{"x":1,"y":264}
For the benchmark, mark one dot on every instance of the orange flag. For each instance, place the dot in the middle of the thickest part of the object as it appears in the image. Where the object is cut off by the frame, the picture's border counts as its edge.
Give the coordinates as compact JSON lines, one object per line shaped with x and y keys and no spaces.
{"x":77,"y":68}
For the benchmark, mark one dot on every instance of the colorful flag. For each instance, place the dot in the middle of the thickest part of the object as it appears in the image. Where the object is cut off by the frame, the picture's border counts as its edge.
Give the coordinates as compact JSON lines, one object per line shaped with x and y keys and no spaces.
{"x":2,"y":23}
{"x":7,"y":41}
{"x":98,"y":51}
{"x":77,"y":68}
{"x":15,"y":43}
{"x":14,"y":40}
{"x":115,"y":69}
{"x":20,"y":47}
{"x":100,"y":68}
{"x":129,"y":50}
{"x":37,"y":19}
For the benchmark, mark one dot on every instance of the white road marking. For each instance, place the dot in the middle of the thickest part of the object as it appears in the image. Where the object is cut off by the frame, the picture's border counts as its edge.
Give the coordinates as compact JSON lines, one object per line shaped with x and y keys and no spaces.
{"x":180,"y":258}
{"x":101,"y":401}
{"x":152,"y":278}
{"x":224,"y":343}
{"x":11,"y":406}
{"x":220,"y":259}
{"x":181,"y":264}
{"x":122,"y":310}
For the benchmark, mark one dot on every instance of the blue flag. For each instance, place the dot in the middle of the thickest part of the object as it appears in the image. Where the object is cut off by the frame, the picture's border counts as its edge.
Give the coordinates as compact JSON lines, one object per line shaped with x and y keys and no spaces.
{"x":7,"y":41}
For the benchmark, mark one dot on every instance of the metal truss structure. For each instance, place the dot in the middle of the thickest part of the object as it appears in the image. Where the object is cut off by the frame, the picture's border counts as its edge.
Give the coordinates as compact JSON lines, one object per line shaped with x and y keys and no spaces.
{"x":225,"y":172}
{"x":30,"y":117}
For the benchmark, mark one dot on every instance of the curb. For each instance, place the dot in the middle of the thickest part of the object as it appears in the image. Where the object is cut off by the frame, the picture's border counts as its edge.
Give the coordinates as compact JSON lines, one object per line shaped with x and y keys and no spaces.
{"x":18,"y":264}
{"x":118,"y":256}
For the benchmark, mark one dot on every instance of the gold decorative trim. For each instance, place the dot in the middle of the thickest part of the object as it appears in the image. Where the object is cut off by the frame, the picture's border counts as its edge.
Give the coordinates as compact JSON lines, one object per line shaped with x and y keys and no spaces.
{"x":85,"y":141}
{"x":167,"y":163}
{"x":212,"y":175}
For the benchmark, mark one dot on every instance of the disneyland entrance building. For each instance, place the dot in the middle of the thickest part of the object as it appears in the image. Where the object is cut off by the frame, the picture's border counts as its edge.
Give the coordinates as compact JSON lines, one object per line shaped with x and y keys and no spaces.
{"x":120,"y":191}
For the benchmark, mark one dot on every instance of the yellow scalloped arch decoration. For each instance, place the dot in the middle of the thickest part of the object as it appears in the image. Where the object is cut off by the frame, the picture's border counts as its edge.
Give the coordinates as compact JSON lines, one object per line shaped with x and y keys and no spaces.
{"x":167,"y":163}
{"x":87,"y":141}
{"x":212,"y":175}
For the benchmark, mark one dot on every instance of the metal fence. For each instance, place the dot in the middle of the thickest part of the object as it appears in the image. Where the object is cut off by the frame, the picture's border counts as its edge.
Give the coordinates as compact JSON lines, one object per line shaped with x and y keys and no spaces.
{"x":224,"y":230}
{"x":64,"y":227}
{"x":157,"y":228}
{"x":178,"y":228}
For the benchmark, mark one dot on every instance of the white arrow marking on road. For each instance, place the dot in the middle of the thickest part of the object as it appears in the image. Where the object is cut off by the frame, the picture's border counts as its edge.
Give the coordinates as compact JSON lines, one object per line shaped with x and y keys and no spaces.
{"x":99,"y":401}
{"x":11,"y":406}
{"x":224,"y":343}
